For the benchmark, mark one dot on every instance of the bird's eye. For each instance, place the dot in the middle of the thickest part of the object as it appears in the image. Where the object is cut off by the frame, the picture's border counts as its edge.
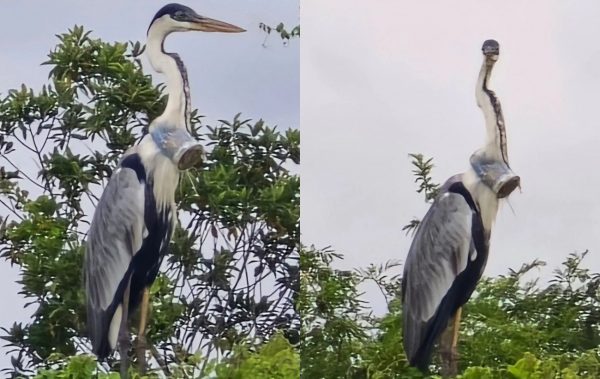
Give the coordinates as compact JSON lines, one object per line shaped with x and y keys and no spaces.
{"x":178,"y":15}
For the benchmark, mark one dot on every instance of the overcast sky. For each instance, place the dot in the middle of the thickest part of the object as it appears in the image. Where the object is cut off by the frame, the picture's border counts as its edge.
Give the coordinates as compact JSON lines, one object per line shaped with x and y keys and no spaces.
{"x":380,"y":82}
{"x":228,"y":73}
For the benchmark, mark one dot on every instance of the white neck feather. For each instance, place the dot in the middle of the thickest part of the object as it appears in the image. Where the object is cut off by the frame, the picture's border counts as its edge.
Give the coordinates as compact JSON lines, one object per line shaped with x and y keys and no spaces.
{"x":494,"y":121}
{"x":165,"y":64}
{"x":484,"y":197}
{"x":161,"y":168}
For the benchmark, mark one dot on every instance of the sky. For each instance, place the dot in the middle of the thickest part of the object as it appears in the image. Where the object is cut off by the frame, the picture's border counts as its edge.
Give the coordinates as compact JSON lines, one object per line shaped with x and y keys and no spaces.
{"x":228,"y":73}
{"x":380,"y":82}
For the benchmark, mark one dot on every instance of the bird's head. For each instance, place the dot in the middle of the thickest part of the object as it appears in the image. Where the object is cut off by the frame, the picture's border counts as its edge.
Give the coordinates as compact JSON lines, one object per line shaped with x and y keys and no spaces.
{"x":491,"y":51}
{"x":179,"y":18}
{"x":495,"y":174}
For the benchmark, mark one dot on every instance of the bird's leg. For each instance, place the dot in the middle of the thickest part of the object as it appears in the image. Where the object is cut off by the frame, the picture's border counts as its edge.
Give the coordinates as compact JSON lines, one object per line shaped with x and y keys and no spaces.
{"x":448,"y":350}
{"x":455,"y":328}
{"x":124,"y":334}
{"x":141,"y":340}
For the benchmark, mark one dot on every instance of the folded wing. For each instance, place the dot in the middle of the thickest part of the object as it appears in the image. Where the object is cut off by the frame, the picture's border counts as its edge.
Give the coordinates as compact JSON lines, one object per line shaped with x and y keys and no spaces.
{"x":114,"y":237}
{"x":440,"y":252}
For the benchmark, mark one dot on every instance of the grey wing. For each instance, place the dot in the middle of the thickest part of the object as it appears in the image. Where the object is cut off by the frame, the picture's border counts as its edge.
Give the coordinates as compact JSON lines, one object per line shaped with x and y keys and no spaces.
{"x":439,"y":252}
{"x":114,"y":237}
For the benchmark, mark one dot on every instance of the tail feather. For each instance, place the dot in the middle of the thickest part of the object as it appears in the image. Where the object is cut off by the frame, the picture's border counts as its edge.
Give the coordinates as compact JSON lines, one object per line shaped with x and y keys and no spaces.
{"x":103,"y":324}
{"x":421,"y":337}
{"x":98,"y":327}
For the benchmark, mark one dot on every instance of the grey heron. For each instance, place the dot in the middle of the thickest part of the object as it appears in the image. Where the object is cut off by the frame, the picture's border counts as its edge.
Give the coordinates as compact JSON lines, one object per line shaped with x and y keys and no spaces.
{"x":450,"y":248}
{"x":135,"y":216}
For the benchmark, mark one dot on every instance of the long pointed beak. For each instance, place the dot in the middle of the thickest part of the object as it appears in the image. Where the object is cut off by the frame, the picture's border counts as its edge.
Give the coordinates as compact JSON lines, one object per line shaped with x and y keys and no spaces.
{"x":206,"y":24}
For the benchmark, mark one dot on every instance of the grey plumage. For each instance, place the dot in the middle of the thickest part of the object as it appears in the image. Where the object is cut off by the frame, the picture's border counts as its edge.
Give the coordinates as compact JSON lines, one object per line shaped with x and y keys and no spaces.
{"x":128,"y":237}
{"x":443,"y":265}
{"x":114,"y":237}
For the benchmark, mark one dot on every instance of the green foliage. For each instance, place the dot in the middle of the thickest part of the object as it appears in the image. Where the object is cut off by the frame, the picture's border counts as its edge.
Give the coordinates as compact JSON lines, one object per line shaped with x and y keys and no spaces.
{"x":232,"y":272}
{"x":511,"y":317}
{"x":78,"y":367}
{"x":276,"y":359}
{"x":281,"y":30}
{"x":422,"y":172}
{"x":511,"y":328}
{"x":567,"y":366}
{"x":426,"y":185}
{"x":333,"y":325}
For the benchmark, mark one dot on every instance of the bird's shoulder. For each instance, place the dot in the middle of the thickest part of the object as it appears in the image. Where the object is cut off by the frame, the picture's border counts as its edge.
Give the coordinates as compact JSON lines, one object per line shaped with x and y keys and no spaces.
{"x":123,"y":197}
{"x":449,"y":208}
{"x":444,"y":232}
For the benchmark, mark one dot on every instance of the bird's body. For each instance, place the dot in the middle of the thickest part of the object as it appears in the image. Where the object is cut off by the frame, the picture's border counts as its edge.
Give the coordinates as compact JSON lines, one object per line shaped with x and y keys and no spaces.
{"x":450,"y":248}
{"x":136,"y":215}
{"x":451,"y":245}
{"x":129,"y":236}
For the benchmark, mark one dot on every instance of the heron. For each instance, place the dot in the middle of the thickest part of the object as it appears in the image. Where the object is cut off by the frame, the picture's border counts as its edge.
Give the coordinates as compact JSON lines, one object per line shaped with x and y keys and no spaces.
{"x":451,"y":245}
{"x":136,"y":214}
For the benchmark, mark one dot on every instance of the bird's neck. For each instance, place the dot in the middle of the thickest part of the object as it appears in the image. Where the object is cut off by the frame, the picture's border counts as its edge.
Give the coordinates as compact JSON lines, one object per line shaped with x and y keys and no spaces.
{"x":484,"y":197}
{"x":160,"y":170}
{"x":178,"y":105}
{"x":495,"y":147}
